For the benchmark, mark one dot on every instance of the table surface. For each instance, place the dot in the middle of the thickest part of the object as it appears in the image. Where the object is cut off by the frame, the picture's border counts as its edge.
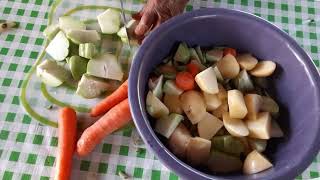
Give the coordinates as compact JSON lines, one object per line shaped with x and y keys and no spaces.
{"x":28,"y":148}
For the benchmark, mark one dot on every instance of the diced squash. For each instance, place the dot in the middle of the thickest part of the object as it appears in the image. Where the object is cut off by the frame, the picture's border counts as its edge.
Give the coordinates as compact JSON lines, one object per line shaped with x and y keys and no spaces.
{"x":214,"y":55}
{"x":228,"y":144}
{"x":167,"y":124}
{"x":182,"y":54}
{"x":155,"y":107}
{"x":258,"y":144}
{"x":171,"y":88}
{"x":156,"y":86}
{"x":83,"y":36}
{"x":109,"y":21}
{"x":269,"y":105}
{"x":92,"y":87}
{"x":58,"y":48}
{"x":243,"y":82}
{"x":67,"y":23}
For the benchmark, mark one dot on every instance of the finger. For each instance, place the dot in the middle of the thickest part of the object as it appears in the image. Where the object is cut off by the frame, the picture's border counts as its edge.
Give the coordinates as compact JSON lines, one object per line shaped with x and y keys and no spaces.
{"x":145,"y":23}
{"x":137,"y":16}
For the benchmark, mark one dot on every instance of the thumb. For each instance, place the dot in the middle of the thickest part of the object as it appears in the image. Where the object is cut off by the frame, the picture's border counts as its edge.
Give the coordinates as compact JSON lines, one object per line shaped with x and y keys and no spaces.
{"x":145,"y":23}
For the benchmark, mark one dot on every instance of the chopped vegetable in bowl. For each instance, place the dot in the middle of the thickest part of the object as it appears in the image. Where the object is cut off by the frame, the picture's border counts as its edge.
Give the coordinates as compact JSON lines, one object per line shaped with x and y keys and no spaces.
{"x":213,"y":109}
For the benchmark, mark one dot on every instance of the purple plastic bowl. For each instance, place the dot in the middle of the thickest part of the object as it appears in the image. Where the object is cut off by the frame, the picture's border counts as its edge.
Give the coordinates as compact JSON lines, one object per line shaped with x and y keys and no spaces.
{"x":296,"y":85}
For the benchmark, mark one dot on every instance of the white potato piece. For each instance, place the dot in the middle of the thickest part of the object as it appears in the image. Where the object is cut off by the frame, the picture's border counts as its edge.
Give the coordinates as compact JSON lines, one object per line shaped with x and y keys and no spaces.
{"x":173,"y":103}
{"x":179,"y":140}
{"x":198,"y":151}
{"x":275,"y":129}
{"x":221,"y":109}
{"x":255,"y":162}
{"x":222,"y":94}
{"x":209,"y":126}
{"x":228,"y":67}
{"x":207,"y":81}
{"x":155,"y":107}
{"x":212,"y":101}
{"x":263,"y":69}
{"x":237,"y":105}
{"x":247,"y":61}
{"x":258,"y":144}
{"x":235,"y":127}
{"x":223,"y":163}
{"x":253,"y":104}
{"x":260,"y":128}
{"x":193,"y":105}
{"x":269,"y":105}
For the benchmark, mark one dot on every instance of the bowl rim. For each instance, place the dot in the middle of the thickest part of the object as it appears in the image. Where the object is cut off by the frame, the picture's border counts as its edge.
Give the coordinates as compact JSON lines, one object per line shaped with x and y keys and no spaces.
{"x":150,"y":138}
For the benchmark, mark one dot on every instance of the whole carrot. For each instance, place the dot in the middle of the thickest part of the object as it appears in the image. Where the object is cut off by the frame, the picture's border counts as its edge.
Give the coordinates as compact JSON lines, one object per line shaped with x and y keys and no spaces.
{"x":66,"y":143}
{"x":106,"y":104}
{"x":115,"y":118}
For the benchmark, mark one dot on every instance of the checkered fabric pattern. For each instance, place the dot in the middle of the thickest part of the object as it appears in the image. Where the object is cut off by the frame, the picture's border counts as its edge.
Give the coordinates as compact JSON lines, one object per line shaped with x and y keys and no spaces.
{"x":28,"y":148}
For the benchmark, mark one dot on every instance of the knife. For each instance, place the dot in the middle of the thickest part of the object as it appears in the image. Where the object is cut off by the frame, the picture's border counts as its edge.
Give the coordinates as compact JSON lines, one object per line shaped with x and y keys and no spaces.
{"x":123,"y":15}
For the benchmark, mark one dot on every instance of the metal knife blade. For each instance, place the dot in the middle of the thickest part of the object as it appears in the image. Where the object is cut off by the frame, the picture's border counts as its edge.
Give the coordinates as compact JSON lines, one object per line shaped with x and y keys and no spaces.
{"x":123,"y":15}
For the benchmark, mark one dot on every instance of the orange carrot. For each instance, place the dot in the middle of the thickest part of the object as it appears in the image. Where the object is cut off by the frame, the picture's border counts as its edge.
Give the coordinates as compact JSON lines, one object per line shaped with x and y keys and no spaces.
{"x":117,"y":117}
{"x":229,"y":51}
{"x":113,"y":99}
{"x":66,"y":143}
{"x":193,"y":69}
{"x":185,"y":81}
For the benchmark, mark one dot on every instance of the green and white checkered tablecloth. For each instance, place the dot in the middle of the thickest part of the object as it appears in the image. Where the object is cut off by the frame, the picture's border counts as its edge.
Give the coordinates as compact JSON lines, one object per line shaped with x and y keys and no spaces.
{"x":28,"y":148}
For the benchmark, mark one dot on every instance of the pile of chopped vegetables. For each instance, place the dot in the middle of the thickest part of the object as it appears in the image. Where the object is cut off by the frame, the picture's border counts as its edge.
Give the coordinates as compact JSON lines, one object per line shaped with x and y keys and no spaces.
{"x":77,"y":58}
{"x":213,"y":109}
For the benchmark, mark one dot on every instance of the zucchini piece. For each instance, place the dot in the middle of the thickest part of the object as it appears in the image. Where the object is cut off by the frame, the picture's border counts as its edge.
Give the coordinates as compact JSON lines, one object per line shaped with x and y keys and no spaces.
{"x":109,"y":21}
{"x":168,"y":71}
{"x":156,"y":86}
{"x":51,"y":31}
{"x":201,"y":66}
{"x":269,"y":105}
{"x":78,"y":66}
{"x":171,"y":88}
{"x":51,"y":73}
{"x":228,"y":144}
{"x":167,"y":124}
{"x":243,"y":82}
{"x":218,"y":74}
{"x":182,"y":54}
{"x":67,"y":23}
{"x":73,"y":49}
{"x":220,"y":162}
{"x":58,"y":48}
{"x":83,"y":36}
{"x":87,"y":50}
{"x":105,"y":66}
{"x":194,"y":55}
{"x":207,"y":81}
{"x":199,"y":52}
{"x":258,"y":144}
{"x":122,"y":33}
{"x":90,"y":87}
{"x":214,"y":55}
{"x":155,"y":107}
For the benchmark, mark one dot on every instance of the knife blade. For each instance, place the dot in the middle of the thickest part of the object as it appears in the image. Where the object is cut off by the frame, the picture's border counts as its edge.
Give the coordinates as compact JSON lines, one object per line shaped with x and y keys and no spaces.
{"x":123,"y":15}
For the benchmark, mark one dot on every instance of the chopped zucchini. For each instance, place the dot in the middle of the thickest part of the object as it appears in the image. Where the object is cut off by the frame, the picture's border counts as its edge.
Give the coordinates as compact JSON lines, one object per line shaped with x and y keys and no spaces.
{"x":228,"y":144}
{"x":156,"y":87}
{"x":258,"y":144}
{"x":73,"y":49}
{"x":51,"y":31}
{"x":155,"y":107}
{"x":58,"y":48}
{"x":109,"y":21}
{"x":91,"y":87}
{"x":171,"y":88}
{"x":167,"y":124}
{"x":67,"y":23}
{"x":78,"y":66}
{"x":194,"y":55}
{"x":199,"y":52}
{"x":182,"y":54}
{"x":214,"y":55}
{"x":269,"y":105}
{"x":243,"y":82}
{"x":105,"y":66}
{"x":168,"y":71}
{"x":220,"y":162}
{"x":87,"y":50}
{"x":218,"y":74}
{"x":51,"y":73}
{"x":83,"y":36}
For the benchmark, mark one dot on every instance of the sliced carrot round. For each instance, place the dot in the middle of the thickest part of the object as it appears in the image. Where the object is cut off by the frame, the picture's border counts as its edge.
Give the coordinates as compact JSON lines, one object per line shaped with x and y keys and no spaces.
{"x":185,"y":81}
{"x":229,"y":51}
{"x":193,"y":69}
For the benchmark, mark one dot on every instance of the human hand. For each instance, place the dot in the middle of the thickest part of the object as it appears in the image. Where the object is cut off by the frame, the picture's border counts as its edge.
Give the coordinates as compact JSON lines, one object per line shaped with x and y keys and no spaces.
{"x":156,"y":12}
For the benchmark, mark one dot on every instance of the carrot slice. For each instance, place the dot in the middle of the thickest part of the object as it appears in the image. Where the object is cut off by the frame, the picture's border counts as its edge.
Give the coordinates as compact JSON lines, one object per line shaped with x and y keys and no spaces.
{"x":66,"y":143}
{"x":229,"y":51}
{"x":193,"y":69}
{"x":117,"y":117}
{"x":185,"y":81}
{"x":106,"y":104}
